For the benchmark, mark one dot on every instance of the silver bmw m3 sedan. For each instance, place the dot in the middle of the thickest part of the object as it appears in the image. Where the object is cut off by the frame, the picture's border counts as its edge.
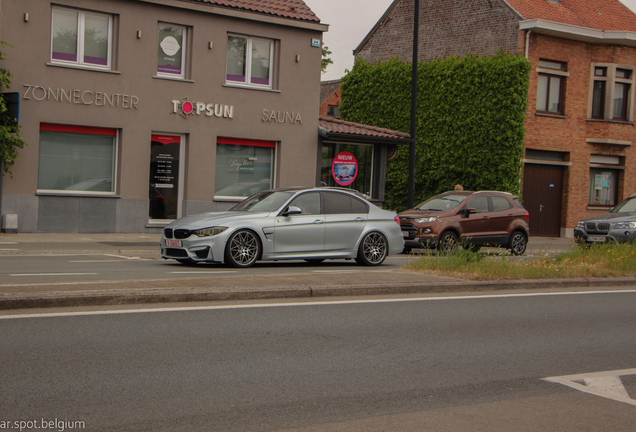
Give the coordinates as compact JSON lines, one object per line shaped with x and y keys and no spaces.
{"x":312,"y":224}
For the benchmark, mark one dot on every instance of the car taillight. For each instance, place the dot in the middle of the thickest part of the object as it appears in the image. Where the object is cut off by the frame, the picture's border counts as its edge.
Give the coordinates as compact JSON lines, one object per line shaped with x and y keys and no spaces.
{"x":397,"y":219}
{"x":527,"y":215}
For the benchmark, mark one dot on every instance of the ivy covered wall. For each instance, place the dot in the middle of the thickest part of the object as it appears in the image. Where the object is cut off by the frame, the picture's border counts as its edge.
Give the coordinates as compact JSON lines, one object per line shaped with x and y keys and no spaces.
{"x":470,"y":121}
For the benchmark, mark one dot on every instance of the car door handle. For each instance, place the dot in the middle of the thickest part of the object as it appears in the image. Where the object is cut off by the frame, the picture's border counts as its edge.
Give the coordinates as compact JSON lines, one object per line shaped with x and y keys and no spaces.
{"x":319,"y":221}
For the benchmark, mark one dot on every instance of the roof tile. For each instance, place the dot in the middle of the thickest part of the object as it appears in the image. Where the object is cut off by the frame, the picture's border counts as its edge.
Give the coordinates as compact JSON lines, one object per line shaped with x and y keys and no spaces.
{"x":293,"y":9}
{"x":604,"y":15}
{"x":334,"y":125}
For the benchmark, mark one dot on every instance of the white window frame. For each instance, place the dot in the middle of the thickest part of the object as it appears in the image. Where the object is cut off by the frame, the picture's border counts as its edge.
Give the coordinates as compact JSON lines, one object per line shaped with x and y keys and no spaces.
{"x":548,"y":69}
{"x":183,"y":52}
{"x":610,"y":87}
{"x":81,"y":17}
{"x":248,"y":63}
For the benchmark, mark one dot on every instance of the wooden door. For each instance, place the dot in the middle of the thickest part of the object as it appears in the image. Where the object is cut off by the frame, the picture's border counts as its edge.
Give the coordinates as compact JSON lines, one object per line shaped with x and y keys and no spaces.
{"x":543,"y":197}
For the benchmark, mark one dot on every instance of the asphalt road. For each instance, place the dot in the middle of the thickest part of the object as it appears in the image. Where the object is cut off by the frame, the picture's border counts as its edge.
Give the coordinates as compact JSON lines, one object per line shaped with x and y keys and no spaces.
{"x":454,"y":363}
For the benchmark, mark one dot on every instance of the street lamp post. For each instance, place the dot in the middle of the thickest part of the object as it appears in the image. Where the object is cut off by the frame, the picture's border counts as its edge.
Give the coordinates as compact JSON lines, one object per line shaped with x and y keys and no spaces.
{"x":416,"y":25}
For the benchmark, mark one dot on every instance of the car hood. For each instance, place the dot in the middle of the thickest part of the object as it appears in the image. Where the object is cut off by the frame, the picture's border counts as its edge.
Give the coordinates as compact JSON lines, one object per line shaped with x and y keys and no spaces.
{"x":412,"y":213}
{"x":631,"y":216}
{"x":206,"y":220}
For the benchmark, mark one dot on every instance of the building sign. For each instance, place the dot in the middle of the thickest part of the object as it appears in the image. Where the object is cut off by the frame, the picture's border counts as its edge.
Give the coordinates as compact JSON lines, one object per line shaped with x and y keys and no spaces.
{"x":274,"y":116}
{"x":80,"y":97}
{"x":344,"y":168}
{"x":185,"y":108}
{"x":164,"y":176}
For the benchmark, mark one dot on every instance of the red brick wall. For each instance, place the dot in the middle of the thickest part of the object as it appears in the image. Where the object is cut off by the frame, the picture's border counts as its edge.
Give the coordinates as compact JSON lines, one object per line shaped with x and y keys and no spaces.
{"x":569,"y":134}
{"x":333,"y":100}
{"x":447,"y":28}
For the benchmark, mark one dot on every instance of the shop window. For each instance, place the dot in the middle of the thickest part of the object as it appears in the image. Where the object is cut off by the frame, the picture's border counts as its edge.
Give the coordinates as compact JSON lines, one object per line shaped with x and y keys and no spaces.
{"x":75,"y":159}
{"x":243,"y":167}
{"x":611,"y":97}
{"x":249,"y":61}
{"x":81,"y":38}
{"x":171,"y":50}
{"x":362,"y":162}
{"x":604,"y":175}
{"x":551,"y":87}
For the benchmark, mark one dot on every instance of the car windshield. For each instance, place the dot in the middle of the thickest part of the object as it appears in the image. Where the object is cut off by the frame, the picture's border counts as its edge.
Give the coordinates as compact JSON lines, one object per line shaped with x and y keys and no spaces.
{"x":441,"y":203}
{"x":627,"y":206}
{"x":266,"y":201}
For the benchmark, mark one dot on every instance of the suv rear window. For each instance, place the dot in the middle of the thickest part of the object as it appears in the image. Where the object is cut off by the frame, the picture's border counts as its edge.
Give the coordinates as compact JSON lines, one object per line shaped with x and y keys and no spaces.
{"x":500,"y":204}
{"x":519,"y":203}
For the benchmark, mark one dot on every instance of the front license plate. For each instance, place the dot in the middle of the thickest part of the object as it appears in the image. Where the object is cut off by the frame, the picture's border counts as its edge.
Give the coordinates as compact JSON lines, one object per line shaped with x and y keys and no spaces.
{"x":405,"y":233}
{"x":173,"y":243}
{"x":596,"y":239}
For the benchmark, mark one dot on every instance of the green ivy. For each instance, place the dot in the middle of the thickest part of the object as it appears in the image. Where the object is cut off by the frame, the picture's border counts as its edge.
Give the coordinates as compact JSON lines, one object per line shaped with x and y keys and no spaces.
{"x":470,"y":121}
{"x":10,"y":138}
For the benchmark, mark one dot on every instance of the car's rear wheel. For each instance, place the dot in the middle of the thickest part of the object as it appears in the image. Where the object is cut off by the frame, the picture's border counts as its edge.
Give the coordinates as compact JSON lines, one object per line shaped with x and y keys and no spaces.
{"x":373,"y":249}
{"x":448,"y":242}
{"x":518,"y":243}
{"x":242,"y":249}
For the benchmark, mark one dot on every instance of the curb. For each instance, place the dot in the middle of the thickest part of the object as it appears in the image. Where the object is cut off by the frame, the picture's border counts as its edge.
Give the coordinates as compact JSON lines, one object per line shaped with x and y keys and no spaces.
{"x":176,"y":295}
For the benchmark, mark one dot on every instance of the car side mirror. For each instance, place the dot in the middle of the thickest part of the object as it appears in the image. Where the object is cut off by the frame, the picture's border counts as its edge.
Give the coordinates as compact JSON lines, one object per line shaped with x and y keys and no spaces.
{"x":470,"y":211}
{"x":292,"y":210}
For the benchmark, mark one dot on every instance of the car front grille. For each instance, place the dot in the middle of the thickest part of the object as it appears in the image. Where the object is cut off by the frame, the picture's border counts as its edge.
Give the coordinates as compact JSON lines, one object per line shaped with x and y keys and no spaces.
{"x":597,"y":227}
{"x":181,"y":233}
{"x":167,"y":233}
{"x":408,"y":227}
{"x":176,"y":253}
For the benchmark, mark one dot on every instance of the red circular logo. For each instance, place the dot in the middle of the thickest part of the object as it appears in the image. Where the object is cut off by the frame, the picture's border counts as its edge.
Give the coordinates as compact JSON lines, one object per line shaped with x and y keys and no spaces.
{"x":344,"y":168}
{"x":187,"y":107}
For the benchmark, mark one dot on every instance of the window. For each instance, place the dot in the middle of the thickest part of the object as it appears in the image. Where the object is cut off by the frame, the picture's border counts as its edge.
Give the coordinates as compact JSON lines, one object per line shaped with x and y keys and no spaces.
{"x":480,"y":204}
{"x":611,"y":97}
{"x":249,"y":61}
{"x":603,"y":185}
{"x":76,"y":159}
{"x":81,"y":38}
{"x":171,"y":51}
{"x":551,"y":87}
{"x":243,"y":167}
{"x":500,"y":204}
{"x":363,"y":155}
{"x":309,"y":203}
{"x":339,"y":203}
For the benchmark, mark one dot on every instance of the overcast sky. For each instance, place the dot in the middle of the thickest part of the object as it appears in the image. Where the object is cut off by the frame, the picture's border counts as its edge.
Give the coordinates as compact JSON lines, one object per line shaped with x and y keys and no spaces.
{"x":349,"y":22}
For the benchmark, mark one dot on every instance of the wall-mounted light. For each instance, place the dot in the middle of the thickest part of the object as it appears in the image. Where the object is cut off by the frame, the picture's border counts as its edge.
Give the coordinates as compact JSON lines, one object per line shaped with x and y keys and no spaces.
{"x":138,"y":34}
{"x":26,"y":17}
{"x":210,"y":45}
{"x":297,"y":58}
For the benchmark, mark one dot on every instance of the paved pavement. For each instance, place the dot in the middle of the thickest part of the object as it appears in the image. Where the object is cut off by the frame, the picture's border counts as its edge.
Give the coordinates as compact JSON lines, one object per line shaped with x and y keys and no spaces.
{"x":243,"y":285}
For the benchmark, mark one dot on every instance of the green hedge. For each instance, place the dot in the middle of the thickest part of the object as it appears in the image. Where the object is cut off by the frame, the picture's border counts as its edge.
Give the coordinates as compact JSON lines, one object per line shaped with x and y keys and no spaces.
{"x":470,"y":121}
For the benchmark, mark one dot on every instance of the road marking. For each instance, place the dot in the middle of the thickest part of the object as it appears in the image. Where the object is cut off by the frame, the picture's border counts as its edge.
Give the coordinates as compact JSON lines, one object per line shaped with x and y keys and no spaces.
{"x":51,"y":274}
{"x":307,"y":303}
{"x":202,"y":272}
{"x":5,"y":250}
{"x":8,"y":242}
{"x":604,"y":384}
{"x":351,"y":271}
{"x":97,"y":261}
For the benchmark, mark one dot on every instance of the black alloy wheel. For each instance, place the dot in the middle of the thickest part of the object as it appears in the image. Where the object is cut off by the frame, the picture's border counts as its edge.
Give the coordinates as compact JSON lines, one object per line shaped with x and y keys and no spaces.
{"x":373,"y":249}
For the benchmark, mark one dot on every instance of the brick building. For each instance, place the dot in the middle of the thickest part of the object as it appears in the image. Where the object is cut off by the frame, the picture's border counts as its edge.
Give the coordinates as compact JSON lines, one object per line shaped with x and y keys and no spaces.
{"x":579,"y":158}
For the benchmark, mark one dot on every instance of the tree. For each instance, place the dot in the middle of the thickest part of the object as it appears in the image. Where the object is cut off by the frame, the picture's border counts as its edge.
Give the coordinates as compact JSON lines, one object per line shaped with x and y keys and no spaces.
{"x":326,"y":61}
{"x":10,"y":138}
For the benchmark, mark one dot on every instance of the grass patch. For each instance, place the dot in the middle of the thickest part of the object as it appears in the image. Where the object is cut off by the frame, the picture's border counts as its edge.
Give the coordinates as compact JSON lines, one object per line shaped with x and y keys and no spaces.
{"x":595,"y":261}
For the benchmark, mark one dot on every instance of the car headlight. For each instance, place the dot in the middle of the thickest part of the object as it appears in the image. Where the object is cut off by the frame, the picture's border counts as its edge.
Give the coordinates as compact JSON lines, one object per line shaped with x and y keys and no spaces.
{"x":625,"y":225}
{"x":207,"y":232}
{"x":581,"y":225}
{"x":426,"y":219}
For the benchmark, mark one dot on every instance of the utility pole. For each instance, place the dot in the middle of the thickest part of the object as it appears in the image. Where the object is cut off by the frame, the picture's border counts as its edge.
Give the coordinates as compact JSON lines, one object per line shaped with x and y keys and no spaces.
{"x":416,"y":25}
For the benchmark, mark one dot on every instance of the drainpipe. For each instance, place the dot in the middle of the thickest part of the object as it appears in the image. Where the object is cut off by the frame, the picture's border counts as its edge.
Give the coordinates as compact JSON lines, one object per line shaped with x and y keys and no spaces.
{"x":528,"y":42}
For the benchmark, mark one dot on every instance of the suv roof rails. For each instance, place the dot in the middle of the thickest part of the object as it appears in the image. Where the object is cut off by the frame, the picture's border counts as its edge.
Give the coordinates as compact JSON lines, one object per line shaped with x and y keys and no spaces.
{"x":501,"y":192}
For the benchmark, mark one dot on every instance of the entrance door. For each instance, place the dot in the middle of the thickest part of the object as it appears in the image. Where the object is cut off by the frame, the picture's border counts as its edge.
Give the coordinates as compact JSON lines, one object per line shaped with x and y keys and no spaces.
{"x":164,"y":189}
{"x":542,"y":197}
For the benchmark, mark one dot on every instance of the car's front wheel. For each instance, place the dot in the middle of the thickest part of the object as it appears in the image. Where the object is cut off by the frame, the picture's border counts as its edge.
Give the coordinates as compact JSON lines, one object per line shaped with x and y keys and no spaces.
{"x":373,"y":249}
{"x":242,"y":249}
{"x":518,"y":243}
{"x":448,"y":242}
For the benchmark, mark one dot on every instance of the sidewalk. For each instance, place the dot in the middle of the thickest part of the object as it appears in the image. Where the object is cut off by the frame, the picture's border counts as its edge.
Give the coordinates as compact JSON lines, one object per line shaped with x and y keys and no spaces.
{"x":236,"y":286}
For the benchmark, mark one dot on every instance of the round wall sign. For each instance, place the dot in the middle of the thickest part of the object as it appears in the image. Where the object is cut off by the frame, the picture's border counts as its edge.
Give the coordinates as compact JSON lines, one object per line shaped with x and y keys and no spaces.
{"x":170,"y":45}
{"x":344,"y":168}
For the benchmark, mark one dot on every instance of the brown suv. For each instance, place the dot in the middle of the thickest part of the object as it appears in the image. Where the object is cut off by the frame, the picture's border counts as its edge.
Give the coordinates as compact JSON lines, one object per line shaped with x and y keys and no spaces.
{"x":472,"y":219}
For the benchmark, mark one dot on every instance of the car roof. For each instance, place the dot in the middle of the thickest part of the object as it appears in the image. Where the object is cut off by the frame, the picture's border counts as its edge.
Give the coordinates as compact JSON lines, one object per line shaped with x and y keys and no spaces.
{"x":321,"y":188}
{"x":468,"y":193}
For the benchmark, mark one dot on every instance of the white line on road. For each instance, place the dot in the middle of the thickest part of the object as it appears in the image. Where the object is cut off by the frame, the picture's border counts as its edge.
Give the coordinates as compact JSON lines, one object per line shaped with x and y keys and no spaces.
{"x":5,"y":250}
{"x":605,"y":384}
{"x":51,"y":274}
{"x":97,"y":261}
{"x":310,"y":303}
{"x":202,"y":272}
